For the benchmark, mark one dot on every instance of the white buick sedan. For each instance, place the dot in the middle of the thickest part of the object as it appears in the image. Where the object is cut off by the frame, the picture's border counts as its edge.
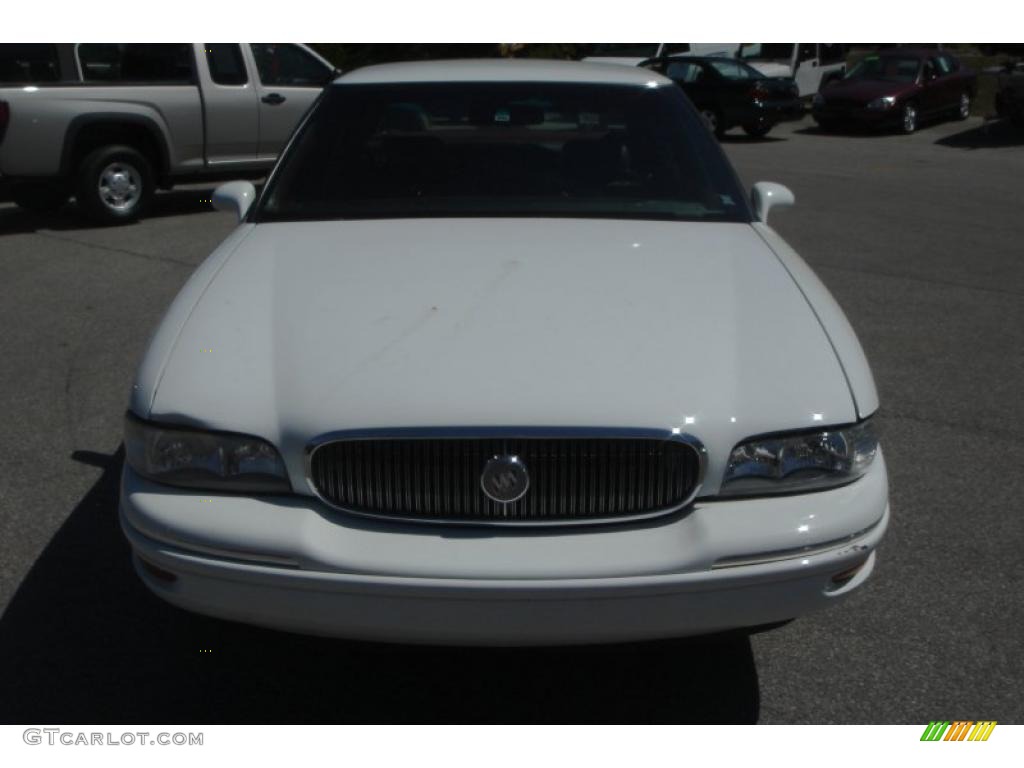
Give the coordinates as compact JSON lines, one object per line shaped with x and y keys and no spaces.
{"x":503,"y":354}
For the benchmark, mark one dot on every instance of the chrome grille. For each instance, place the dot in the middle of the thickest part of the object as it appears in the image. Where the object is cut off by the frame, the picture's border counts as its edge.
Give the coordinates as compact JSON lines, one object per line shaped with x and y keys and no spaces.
{"x":572,"y":478}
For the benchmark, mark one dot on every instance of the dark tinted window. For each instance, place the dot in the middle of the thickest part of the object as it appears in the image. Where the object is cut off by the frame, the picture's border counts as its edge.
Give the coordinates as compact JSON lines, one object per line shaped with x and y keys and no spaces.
{"x":29,"y":63}
{"x":808,"y":51}
{"x":947,"y":64}
{"x":685,"y":71}
{"x":766,"y":51}
{"x":831,"y":53}
{"x":165,"y":63}
{"x":671,"y":49}
{"x":504,"y":149}
{"x":287,"y":64}
{"x":226,"y":64}
{"x":735,"y":70}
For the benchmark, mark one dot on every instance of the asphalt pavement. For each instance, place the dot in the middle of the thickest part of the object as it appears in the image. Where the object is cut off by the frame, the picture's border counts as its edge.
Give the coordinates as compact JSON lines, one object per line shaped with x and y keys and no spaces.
{"x":920,"y":238}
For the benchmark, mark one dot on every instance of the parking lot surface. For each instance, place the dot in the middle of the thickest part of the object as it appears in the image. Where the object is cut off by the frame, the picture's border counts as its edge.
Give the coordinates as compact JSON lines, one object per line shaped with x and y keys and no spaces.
{"x":920,"y":238}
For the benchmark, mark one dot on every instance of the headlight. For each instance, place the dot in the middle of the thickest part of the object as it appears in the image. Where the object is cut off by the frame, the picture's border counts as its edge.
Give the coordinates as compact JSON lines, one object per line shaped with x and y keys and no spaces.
{"x":885,"y":102}
{"x":806,"y":461}
{"x":214,"y":461}
{"x":818,"y":100}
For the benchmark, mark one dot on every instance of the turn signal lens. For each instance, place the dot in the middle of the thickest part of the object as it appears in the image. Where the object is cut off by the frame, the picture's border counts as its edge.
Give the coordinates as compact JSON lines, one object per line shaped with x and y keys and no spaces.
{"x":844,"y":577}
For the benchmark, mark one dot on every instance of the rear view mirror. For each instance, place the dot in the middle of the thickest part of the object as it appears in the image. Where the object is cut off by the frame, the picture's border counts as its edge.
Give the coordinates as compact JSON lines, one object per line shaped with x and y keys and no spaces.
{"x":767,"y":195}
{"x":234,"y":197}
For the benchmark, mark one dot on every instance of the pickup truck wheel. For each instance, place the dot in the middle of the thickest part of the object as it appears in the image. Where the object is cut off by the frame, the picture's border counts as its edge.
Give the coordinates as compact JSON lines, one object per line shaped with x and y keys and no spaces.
{"x":115,"y":185}
{"x":39,"y":196}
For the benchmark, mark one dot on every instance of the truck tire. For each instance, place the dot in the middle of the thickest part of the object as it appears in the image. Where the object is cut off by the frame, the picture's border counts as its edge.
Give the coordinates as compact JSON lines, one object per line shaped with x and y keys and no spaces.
{"x":40,"y":196}
{"x":115,"y":184}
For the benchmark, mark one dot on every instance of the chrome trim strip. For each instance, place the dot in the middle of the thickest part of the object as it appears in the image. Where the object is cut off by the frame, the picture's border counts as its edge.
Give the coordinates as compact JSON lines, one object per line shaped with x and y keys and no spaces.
{"x":457,"y":433}
{"x":787,"y":554}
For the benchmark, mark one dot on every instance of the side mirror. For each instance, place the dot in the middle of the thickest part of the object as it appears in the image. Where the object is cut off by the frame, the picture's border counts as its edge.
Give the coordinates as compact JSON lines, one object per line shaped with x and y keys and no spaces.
{"x":234,"y":197}
{"x":766,"y":195}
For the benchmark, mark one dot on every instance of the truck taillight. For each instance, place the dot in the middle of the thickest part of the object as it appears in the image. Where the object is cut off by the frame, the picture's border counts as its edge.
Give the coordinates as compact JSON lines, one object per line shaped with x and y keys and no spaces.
{"x":5,"y":115}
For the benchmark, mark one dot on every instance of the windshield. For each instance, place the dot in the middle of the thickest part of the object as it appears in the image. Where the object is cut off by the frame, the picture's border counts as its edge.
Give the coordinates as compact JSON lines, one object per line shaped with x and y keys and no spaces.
{"x":897,"y":69}
{"x":632,"y":50}
{"x":767,"y":51}
{"x":503,"y":149}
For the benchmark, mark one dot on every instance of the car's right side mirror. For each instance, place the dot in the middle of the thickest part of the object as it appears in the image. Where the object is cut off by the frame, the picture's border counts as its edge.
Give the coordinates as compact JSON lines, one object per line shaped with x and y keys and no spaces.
{"x":234,"y":197}
{"x":767,"y":195}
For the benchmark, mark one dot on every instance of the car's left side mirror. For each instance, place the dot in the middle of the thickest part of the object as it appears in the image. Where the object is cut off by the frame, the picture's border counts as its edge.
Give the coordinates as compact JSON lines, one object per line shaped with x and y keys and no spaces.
{"x":767,"y":195}
{"x":234,"y":197}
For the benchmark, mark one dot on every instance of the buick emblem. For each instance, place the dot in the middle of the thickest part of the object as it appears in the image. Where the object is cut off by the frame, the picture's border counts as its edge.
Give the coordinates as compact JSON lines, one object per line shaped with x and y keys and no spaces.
{"x":505,"y":479}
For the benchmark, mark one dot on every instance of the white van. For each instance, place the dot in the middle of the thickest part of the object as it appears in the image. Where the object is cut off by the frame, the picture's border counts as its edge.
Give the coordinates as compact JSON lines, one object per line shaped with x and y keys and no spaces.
{"x":632,"y":54}
{"x":810,"y":64}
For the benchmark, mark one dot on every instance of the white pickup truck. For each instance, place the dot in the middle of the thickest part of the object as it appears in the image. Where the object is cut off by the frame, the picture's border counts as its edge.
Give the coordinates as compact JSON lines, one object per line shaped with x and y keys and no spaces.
{"x":631,"y":54}
{"x":811,"y":65}
{"x":109,"y":123}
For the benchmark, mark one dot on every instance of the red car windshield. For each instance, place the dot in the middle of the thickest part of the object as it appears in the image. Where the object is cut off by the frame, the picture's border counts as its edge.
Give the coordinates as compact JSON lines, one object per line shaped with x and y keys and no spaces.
{"x":896,"y":69}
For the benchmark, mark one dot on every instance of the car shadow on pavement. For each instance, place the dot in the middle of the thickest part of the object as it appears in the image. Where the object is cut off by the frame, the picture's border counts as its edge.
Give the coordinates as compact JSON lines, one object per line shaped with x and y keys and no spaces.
{"x":177,"y":202}
{"x":992,"y":134}
{"x":848,"y":132}
{"x":83,"y":641}
{"x":742,"y":138}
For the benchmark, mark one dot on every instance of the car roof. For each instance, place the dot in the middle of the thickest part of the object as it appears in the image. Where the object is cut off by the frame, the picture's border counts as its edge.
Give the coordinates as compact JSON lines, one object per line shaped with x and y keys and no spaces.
{"x":502,"y":70}
{"x":691,"y":57}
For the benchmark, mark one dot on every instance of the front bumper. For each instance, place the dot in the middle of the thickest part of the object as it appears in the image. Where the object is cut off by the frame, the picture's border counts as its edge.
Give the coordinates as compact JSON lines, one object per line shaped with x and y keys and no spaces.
{"x":290,"y":563}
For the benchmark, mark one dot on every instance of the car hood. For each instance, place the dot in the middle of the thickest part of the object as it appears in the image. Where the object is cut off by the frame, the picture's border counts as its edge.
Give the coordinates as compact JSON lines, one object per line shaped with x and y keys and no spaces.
{"x":865,"y":91}
{"x":314,"y":327}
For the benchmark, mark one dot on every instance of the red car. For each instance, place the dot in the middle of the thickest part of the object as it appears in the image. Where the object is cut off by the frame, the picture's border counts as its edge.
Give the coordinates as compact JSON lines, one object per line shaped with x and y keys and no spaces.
{"x":898,"y":88}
